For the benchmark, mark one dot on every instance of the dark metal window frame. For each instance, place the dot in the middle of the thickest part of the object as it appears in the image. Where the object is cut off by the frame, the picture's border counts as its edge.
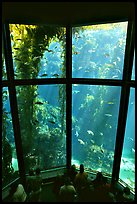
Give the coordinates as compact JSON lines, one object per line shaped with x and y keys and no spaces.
{"x":126,"y":83}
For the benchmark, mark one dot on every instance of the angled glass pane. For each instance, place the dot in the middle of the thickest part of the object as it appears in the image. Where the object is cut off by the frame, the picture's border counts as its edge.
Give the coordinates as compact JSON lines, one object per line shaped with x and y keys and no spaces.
{"x":127,"y":166}
{"x":38,"y":51}
{"x":42,"y":115}
{"x":4,"y":73}
{"x":98,"y":50}
{"x":94,"y":124}
{"x":9,"y":157}
{"x":133,"y":70}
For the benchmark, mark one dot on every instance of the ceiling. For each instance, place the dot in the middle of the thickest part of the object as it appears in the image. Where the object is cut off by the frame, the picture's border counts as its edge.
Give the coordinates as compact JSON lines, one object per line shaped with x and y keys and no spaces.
{"x":63,"y":13}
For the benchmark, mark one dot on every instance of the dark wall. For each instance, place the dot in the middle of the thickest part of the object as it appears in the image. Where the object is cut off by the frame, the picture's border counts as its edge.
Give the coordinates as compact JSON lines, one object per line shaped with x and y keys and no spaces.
{"x":66,"y":12}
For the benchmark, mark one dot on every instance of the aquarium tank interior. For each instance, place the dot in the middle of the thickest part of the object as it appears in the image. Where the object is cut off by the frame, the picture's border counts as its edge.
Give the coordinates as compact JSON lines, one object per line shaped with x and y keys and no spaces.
{"x":68,"y":97}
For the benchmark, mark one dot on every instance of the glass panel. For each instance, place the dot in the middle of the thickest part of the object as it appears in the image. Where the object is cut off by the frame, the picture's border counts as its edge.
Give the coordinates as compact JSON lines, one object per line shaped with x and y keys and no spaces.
{"x":98,"y":51}
{"x":133,"y":70}
{"x":38,"y":51}
{"x":94,"y":124}
{"x":42,"y":114}
{"x":127,"y":167}
{"x":9,"y":157}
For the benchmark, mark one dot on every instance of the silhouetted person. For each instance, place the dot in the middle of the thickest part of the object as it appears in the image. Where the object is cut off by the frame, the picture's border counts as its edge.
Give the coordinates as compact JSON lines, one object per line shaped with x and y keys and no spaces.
{"x":30,"y":181}
{"x":37,"y":186}
{"x":102,"y":189}
{"x":98,"y":181}
{"x":72,"y":173}
{"x":58,"y":182}
{"x":17,"y":193}
{"x":126,"y":195}
{"x":81,"y":181}
{"x":67,"y":192}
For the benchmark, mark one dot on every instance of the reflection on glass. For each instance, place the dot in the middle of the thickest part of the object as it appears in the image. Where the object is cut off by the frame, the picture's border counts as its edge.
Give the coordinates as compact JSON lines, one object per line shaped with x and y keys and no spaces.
{"x":133,"y":70}
{"x":4,"y":74}
{"x":9,"y":157}
{"x":127,"y":167}
{"x":94,"y":125}
{"x":38,"y":51}
{"x":98,"y":51}
{"x":43,"y":125}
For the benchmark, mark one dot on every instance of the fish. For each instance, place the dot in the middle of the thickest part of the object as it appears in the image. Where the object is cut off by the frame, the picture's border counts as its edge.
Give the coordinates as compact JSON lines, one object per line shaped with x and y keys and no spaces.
{"x":35,"y":58}
{"x":92,"y":141}
{"x":107,"y":69}
{"x":39,"y":103}
{"x":45,"y":64}
{"x":101,"y":146}
{"x":114,"y":77}
{"x":89,"y":97}
{"x":77,"y":134}
{"x":101,"y":101}
{"x":109,"y":65}
{"x":5,"y":92}
{"x":75,"y":53}
{"x":90,"y":51}
{"x":56,"y":75}
{"x":40,"y":44}
{"x":107,"y":55}
{"x":118,"y":71}
{"x":43,"y":75}
{"x":102,"y":150}
{"x":75,"y":91}
{"x":35,"y":122}
{"x":53,"y":115}
{"x":50,"y":51}
{"x":101,"y":133}
{"x":133,"y":150}
{"x":130,"y":138}
{"x":51,"y":121}
{"x":26,"y":63}
{"x":124,"y":161}
{"x":108,"y":115}
{"x":90,"y":132}
{"x":81,"y":141}
{"x":110,"y":103}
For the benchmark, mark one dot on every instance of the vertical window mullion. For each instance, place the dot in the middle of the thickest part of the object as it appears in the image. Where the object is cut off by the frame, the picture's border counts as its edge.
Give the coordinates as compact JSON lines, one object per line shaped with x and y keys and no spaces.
{"x":68,"y":94}
{"x":13,"y":101}
{"x":129,"y":52}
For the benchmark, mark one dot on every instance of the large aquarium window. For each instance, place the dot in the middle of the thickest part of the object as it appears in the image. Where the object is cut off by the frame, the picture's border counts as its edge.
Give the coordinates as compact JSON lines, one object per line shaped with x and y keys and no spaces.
{"x":94,"y":125}
{"x":9,"y":157}
{"x":38,"y":51}
{"x":68,"y":83}
{"x":98,"y":51}
{"x":127,"y":166}
{"x":42,"y":115}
